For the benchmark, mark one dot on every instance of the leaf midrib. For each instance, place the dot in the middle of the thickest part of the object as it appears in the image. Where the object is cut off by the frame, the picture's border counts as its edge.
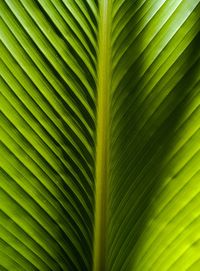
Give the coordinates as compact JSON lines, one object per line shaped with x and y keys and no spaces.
{"x":103,"y":90}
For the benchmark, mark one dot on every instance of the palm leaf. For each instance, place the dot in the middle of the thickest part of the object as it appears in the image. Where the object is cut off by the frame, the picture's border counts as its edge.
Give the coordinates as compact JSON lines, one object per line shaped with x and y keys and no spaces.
{"x":99,"y":136}
{"x":155,"y":137}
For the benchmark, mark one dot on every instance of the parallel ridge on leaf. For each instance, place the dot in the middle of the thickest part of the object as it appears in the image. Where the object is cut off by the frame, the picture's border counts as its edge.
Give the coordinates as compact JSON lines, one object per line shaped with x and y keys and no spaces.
{"x":154,"y":187}
{"x":47,"y":134}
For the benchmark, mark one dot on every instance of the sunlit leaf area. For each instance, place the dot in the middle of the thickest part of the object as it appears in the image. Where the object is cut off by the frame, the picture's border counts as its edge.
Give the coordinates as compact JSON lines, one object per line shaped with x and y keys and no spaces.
{"x":99,"y":135}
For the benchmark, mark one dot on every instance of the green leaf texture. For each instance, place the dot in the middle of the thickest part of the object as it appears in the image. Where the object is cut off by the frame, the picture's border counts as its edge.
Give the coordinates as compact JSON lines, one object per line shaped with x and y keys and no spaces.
{"x":100,"y":135}
{"x":48,"y":97}
{"x":154,"y":199}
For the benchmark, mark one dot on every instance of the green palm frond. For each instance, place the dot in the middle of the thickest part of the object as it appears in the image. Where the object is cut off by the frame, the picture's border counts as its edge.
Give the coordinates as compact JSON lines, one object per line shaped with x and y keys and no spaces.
{"x":99,"y":135}
{"x":48,"y":96}
{"x":155,"y":136}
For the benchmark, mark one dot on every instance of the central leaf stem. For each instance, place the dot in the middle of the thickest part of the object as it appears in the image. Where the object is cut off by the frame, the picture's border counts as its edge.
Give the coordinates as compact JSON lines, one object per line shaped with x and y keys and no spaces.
{"x":103,"y":90}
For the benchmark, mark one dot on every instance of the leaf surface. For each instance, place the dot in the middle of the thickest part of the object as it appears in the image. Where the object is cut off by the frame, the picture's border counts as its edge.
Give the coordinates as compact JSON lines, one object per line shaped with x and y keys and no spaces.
{"x":99,"y":135}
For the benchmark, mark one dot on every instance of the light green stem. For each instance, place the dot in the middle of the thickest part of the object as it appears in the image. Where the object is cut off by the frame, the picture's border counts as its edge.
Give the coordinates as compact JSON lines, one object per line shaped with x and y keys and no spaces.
{"x":103,"y":90}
